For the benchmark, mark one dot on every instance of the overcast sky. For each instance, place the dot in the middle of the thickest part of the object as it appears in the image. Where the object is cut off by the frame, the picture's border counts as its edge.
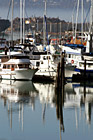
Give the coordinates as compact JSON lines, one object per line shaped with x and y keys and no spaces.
{"x":50,"y":3}
{"x":55,"y":8}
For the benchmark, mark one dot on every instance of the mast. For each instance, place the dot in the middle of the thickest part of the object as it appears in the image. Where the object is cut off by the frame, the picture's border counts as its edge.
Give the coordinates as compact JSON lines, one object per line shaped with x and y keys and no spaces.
{"x":76,"y":18}
{"x":44,"y":27}
{"x":21,"y":21}
{"x":91,"y":28}
{"x":82,"y":19}
{"x":12,"y":23}
{"x":73,"y":24}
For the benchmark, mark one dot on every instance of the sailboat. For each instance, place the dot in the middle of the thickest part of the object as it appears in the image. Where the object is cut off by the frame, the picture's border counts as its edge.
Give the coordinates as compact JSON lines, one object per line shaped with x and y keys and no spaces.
{"x":75,"y":59}
{"x":86,"y":65}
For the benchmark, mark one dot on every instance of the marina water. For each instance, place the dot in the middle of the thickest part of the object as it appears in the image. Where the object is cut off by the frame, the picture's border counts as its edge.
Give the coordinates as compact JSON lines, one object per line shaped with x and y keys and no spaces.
{"x":29,"y":110}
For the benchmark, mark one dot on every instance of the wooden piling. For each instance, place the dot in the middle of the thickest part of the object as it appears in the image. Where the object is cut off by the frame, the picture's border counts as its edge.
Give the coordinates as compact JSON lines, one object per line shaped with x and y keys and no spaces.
{"x":57,"y":87}
{"x":62,"y":76}
{"x":84,"y":90}
{"x":58,"y":76}
{"x":59,"y":91}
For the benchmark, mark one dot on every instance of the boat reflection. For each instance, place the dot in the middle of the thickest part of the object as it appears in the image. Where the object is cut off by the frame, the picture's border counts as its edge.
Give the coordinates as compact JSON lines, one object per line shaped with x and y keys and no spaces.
{"x":16,"y":94}
{"x":78,"y":96}
{"x":19,"y":95}
{"x":17,"y":91}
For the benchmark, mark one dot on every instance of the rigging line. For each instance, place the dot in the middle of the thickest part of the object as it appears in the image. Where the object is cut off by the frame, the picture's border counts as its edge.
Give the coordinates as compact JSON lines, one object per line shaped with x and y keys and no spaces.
{"x":10,"y":3}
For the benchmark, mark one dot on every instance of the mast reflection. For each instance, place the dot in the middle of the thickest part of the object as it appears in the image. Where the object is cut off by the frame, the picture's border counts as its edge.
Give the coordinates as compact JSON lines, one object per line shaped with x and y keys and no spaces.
{"x":15,"y":95}
{"x":78,"y":95}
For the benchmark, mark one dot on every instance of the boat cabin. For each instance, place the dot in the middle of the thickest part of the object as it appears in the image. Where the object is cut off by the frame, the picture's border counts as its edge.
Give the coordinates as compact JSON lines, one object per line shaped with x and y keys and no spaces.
{"x":15,"y":62}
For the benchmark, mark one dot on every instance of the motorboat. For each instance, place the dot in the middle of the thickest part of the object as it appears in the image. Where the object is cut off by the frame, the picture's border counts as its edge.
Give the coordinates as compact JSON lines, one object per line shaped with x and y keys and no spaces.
{"x":71,"y":56}
{"x":45,"y":64}
{"x":17,"y":68}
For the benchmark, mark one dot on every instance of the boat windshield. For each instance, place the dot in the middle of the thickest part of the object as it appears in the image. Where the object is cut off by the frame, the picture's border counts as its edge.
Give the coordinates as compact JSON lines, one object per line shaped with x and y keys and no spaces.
{"x":23,"y":65}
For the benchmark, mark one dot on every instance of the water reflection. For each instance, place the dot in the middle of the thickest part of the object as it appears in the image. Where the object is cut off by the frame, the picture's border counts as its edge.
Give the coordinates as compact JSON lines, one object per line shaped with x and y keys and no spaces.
{"x":18,"y":91}
{"x":46,"y":96}
{"x":17,"y":94}
{"x":42,"y":98}
{"x":80,"y":95}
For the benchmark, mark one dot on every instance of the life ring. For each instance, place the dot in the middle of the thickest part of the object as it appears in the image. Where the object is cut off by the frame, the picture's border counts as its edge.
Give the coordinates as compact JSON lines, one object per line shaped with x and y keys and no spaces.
{"x":72,"y":61}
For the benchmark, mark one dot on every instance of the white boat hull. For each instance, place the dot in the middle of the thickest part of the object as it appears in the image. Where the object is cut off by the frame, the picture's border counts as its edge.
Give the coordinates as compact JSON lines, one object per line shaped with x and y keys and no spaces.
{"x":69,"y":71}
{"x":46,"y":72}
{"x":20,"y":74}
{"x":25,"y":74}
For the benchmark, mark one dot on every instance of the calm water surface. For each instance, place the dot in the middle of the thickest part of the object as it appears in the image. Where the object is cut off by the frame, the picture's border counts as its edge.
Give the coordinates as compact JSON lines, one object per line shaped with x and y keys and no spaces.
{"x":34,"y":111}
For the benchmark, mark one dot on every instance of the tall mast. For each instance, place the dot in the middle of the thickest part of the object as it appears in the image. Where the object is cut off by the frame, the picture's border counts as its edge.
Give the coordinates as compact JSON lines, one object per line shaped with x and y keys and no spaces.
{"x":76,"y":18}
{"x":73,"y":24}
{"x":82,"y":19}
{"x":44,"y":26}
{"x":21,"y":21}
{"x":12,"y":23}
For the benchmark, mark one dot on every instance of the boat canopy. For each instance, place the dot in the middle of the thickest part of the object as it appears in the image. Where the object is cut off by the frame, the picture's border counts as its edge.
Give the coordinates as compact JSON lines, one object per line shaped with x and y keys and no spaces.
{"x":74,"y":45}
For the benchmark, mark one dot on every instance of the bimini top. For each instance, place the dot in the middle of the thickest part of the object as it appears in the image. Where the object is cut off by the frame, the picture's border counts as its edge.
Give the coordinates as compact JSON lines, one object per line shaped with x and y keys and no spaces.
{"x":75,"y":45}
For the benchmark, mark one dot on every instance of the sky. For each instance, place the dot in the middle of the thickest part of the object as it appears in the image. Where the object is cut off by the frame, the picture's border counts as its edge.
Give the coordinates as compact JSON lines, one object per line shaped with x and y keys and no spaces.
{"x":55,"y":8}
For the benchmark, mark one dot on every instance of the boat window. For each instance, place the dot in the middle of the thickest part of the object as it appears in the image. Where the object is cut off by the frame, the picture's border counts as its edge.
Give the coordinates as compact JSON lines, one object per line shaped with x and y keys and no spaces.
{"x":37,"y":64}
{"x":4,"y":66}
{"x":73,"y":56}
{"x":81,"y":64}
{"x":44,"y":58}
{"x":20,"y":66}
{"x":12,"y":66}
{"x":8,"y":66}
{"x":69,"y":55}
{"x":26,"y":66}
{"x":23,"y":65}
{"x":41,"y":62}
{"x":90,"y":65}
{"x":15,"y":66}
{"x":48,"y":57}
